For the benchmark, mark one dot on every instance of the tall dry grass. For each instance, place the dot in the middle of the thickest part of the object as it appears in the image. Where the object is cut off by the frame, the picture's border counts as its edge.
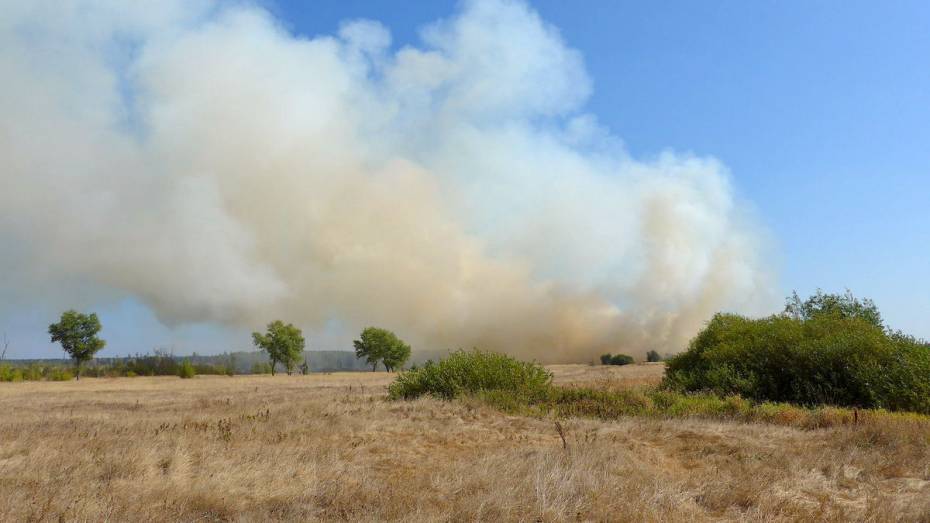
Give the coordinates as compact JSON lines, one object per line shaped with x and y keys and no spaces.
{"x":330,"y":447}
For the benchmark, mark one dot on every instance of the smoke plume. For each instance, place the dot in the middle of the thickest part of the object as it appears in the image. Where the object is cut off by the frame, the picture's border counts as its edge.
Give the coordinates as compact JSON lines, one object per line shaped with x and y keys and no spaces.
{"x":203,"y":159}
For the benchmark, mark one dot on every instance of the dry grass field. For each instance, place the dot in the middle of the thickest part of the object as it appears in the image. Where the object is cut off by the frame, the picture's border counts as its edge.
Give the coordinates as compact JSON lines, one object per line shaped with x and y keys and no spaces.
{"x":330,"y":447}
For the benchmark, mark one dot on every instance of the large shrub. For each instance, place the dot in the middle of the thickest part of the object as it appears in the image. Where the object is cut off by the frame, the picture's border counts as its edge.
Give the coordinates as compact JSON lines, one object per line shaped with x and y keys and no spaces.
{"x":836,"y":359}
{"x":470,"y":372}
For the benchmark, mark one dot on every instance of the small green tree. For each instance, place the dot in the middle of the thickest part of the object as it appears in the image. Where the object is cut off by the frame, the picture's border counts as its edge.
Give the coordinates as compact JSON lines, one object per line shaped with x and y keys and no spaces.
{"x":283,"y":343}
{"x":653,"y":356}
{"x":77,"y":334}
{"x":186,"y":369}
{"x":381,"y":345}
{"x":605,"y":359}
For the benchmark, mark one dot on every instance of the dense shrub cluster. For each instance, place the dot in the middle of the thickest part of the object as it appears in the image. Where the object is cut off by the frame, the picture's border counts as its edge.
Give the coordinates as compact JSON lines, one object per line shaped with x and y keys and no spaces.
{"x":157,"y":364}
{"x":616,"y":359}
{"x":470,"y":372}
{"x":827,"y":356}
{"x":34,"y":372}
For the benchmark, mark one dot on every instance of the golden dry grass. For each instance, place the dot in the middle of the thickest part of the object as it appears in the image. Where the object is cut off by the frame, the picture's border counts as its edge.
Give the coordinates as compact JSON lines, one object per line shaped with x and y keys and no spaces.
{"x":330,"y":447}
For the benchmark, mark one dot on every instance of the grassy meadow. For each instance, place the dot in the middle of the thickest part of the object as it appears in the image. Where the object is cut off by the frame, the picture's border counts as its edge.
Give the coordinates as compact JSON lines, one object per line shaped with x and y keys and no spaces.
{"x":334,"y":447}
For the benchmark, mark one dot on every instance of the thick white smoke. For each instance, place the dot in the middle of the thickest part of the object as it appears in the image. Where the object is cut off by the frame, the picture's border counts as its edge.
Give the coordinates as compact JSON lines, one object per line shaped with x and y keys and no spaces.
{"x":207,"y":161}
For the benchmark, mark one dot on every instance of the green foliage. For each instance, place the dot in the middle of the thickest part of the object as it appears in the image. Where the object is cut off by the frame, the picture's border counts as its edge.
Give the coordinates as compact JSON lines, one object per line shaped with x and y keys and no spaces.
{"x":59,"y":374}
{"x":77,"y":334}
{"x":653,"y":356}
{"x":34,"y":372}
{"x":381,"y":345}
{"x":471,"y":372}
{"x":186,"y":370}
{"x":10,"y":373}
{"x":621,"y":359}
{"x":616,"y":359}
{"x":283,"y":343}
{"x":820,"y":356}
{"x":261,"y":367}
{"x":837,"y":305}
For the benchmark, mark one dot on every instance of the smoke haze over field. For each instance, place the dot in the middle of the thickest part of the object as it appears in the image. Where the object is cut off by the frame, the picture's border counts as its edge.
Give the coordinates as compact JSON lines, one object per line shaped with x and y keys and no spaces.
{"x":201,"y":158}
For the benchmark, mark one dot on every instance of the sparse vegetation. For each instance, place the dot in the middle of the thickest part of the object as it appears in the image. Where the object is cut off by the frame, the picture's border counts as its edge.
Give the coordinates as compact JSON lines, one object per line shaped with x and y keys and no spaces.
{"x":470,"y":372}
{"x":283,"y":343}
{"x":607,"y":404}
{"x":331,"y":447}
{"x":381,"y":345}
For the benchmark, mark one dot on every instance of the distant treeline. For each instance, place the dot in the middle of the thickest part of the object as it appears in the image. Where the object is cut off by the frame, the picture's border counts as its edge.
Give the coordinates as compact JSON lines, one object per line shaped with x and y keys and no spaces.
{"x":163,"y":363}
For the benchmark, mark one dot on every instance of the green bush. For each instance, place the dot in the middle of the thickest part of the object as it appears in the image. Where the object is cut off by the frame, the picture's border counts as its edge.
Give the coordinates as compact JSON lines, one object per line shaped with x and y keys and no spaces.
{"x":471,"y":372}
{"x":653,"y":356}
{"x":59,"y":374}
{"x":621,"y":359}
{"x":830,"y":358}
{"x":616,"y":359}
{"x":186,"y":370}
{"x":7,"y":372}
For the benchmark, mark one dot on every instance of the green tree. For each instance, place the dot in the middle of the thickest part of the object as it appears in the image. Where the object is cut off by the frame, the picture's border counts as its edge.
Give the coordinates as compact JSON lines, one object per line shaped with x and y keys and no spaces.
{"x":653,"y":356}
{"x":283,"y":343}
{"x":186,"y":369}
{"x":77,"y":334}
{"x":381,"y":345}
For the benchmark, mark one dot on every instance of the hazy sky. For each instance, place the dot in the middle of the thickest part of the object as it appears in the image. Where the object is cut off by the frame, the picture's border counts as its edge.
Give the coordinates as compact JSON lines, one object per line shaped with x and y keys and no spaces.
{"x":820,"y":113}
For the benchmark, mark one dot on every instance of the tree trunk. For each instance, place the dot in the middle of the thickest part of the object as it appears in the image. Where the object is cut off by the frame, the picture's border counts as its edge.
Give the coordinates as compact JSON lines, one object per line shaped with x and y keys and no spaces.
{"x":78,"y":369}
{"x":273,"y":363}
{"x":374,"y":367}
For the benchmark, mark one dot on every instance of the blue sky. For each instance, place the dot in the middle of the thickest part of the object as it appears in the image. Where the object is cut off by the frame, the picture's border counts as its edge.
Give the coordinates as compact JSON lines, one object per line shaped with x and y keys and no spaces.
{"x":820,"y":110}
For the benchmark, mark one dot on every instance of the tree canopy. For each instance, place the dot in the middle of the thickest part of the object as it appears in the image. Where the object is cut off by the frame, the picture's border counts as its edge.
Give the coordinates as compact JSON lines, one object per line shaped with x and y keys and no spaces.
{"x":381,"y":345}
{"x":284,"y":343}
{"x":838,"y":305}
{"x":77,"y":334}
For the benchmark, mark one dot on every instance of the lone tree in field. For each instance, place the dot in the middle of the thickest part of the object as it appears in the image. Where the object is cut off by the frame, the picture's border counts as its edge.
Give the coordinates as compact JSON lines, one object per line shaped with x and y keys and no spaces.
{"x":381,"y":345}
{"x":77,"y":334}
{"x":283,"y":343}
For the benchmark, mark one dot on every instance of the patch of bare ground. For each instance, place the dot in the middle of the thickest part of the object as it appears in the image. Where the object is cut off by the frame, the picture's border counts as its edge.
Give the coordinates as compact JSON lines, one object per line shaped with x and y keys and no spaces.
{"x":330,"y":447}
